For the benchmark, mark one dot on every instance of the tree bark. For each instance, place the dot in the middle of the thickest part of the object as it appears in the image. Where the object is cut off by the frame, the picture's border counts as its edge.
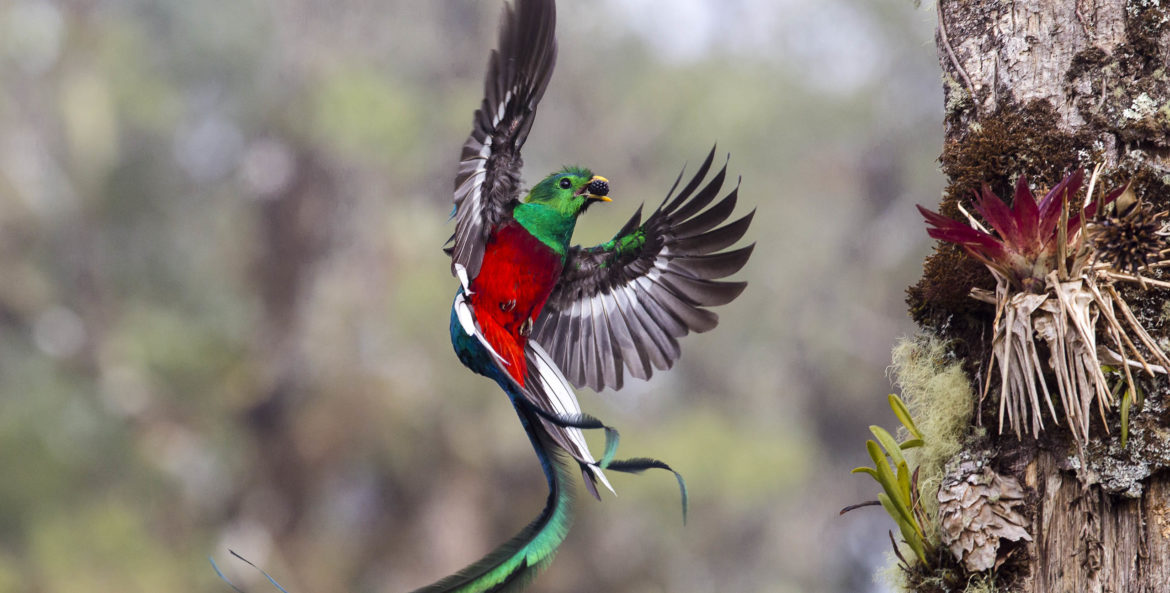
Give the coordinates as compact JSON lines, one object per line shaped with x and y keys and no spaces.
{"x":1041,"y":87}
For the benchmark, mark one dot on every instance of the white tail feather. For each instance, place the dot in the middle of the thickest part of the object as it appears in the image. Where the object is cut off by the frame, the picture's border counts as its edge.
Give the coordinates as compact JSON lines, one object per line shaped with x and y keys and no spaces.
{"x":461,"y":272}
{"x":564,"y":402}
{"x":467,"y":321}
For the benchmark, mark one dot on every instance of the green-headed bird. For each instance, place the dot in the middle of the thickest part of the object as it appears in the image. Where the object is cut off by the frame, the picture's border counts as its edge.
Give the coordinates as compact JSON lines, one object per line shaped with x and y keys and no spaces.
{"x":539,"y":316}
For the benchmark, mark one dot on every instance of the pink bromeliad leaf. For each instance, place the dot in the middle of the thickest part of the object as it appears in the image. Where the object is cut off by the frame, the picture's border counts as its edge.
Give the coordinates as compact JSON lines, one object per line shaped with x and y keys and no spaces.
{"x":1026,"y":212}
{"x":1053,"y":202}
{"x":982,"y":246}
{"x":1023,"y":248}
{"x":1000,"y":217}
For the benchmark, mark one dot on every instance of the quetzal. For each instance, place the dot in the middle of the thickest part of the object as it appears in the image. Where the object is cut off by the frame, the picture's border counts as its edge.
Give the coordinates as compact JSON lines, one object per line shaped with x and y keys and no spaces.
{"x":534,"y":313}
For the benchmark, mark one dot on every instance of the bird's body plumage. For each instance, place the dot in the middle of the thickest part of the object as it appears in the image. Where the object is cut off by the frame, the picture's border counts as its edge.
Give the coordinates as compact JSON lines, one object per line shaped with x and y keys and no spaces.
{"x":517,"y":275}
{"x":538,"y":315}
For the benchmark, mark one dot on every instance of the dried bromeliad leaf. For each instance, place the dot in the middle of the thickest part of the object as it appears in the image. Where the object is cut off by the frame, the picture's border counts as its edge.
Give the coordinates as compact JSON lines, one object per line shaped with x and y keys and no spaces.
{"x":977,"y":509}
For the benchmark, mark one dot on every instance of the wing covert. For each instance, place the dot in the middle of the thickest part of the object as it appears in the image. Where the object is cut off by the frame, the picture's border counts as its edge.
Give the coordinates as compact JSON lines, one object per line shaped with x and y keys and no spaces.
{"x":624,"y":304}
{"x":488,"y":179}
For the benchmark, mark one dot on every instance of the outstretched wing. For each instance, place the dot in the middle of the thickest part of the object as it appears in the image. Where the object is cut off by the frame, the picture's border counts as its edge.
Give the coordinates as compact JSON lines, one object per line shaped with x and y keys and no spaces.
{"x":489,"y":169}
{"x":625,"y":303}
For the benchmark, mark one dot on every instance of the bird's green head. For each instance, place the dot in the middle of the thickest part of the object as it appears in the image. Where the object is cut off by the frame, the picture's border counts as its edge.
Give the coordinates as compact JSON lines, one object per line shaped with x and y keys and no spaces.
{"x":570,"y":191}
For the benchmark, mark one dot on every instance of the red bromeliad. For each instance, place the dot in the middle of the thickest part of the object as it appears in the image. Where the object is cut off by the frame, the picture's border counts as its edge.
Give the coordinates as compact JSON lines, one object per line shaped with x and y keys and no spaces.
{"x":1054,"y":278}
{"x":1029,"y":245}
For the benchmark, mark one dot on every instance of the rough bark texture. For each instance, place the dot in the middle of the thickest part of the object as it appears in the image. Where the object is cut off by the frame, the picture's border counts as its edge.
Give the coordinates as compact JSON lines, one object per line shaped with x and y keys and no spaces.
{"x":1041,"y":87}
{"x":1090,"y":60}
{"x":1092,"y":540}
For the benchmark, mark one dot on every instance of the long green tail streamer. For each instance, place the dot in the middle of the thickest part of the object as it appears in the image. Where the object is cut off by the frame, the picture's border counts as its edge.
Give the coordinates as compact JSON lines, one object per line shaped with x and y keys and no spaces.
{"x":511,"y":566}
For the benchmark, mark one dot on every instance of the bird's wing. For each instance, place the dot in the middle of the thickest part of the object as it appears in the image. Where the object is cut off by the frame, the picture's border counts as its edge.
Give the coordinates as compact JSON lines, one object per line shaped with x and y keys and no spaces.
{"x":625,"y":303}
{"x":489,"y":170}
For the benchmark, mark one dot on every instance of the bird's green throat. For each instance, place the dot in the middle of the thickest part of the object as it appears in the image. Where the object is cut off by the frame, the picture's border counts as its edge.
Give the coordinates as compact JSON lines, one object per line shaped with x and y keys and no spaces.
{"x":551,"y":226}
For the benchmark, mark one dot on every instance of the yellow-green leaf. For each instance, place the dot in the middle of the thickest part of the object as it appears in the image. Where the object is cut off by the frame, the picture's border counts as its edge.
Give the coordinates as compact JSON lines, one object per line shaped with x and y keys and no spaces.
{"x":889,"y":444}
{"x":906,"y":527}
{"x":868,"y":470}
{"x":903,"y":414}
{"x":885,"y":475}
{"x":904,"y":483}
{"x":892,"y":496}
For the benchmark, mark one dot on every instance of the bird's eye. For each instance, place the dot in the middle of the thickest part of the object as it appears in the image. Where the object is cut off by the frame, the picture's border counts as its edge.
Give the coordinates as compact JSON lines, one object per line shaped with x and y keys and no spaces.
{"x":565,"y":183}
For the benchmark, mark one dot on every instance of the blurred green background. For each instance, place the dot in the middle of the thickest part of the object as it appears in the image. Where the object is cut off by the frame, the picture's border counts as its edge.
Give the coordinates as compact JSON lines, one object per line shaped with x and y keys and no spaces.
{"x":223,"y":304}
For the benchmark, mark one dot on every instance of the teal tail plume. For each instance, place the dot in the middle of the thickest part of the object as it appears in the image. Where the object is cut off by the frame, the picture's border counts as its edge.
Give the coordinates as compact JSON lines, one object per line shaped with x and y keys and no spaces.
{"x":514,"y":564}
{"x":510,"y":567}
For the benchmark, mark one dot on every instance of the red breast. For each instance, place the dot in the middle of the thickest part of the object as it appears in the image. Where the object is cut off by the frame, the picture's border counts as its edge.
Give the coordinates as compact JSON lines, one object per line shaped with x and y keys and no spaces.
{"x":516,"y":277}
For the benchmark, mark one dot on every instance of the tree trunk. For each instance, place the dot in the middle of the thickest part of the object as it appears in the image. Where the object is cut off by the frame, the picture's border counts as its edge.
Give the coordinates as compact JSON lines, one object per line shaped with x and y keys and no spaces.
{"x":1042,"y":87}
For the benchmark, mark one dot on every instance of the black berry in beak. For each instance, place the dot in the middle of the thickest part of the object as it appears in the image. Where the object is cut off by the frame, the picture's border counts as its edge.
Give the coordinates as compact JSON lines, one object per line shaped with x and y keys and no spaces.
{"x":598,"y":187}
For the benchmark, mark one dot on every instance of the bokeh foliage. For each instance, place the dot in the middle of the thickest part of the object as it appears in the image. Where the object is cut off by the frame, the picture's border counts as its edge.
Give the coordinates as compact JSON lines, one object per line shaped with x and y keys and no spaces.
{"x":223,"y":307}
